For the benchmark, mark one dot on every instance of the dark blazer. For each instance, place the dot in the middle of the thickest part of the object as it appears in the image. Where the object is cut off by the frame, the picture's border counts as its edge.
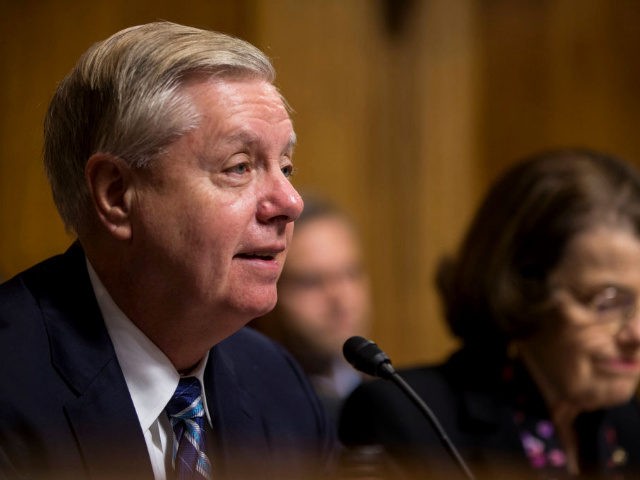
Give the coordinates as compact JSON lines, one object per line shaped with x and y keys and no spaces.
{"x":476,"y":410}
{"x":65,"y":410}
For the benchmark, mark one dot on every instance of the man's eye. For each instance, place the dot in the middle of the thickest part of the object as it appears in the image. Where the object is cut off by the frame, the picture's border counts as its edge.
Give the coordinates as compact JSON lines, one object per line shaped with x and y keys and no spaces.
{"x":287,"y":171}
{"x":240,"y":168}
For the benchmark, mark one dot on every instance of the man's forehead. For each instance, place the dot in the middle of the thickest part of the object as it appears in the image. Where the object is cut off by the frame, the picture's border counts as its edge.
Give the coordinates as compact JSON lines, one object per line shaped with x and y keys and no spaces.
{"x":244,"y":112}
{"x":248,"y":137}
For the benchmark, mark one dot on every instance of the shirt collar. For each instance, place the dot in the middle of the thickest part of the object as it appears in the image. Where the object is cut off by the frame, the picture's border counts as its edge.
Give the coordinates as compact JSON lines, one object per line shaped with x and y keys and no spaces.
{"x":150,"y":376}
{"x":340,"y":382}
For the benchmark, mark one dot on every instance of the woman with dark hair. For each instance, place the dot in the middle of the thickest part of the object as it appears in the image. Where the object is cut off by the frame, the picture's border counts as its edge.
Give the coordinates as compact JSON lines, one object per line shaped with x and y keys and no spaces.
{"x":543,"y":296}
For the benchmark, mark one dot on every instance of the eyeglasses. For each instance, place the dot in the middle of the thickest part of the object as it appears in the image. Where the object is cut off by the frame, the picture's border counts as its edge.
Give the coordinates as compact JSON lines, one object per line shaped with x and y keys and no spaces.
{"x":609,"y":305}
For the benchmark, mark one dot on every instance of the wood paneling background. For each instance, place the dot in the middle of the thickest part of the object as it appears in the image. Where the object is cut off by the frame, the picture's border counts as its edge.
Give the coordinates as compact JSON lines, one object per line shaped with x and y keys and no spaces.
{"x":405,"y":111}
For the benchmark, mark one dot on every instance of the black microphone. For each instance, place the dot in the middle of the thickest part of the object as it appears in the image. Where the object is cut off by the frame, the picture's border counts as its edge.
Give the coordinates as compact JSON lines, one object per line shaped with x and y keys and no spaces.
{"x":368,"y":358}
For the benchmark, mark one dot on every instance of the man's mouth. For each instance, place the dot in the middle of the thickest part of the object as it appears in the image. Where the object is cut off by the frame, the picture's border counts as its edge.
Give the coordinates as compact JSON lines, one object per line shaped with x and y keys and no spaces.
{"x":256,"y":256}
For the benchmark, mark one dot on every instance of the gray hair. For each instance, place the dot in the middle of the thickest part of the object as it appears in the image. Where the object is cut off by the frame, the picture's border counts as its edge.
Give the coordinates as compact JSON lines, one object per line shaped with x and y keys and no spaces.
{"x":124,"y":98}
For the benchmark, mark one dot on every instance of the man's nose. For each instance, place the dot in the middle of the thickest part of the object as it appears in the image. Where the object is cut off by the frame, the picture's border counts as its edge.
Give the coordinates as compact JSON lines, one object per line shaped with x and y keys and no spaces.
{"x":281,"y":201}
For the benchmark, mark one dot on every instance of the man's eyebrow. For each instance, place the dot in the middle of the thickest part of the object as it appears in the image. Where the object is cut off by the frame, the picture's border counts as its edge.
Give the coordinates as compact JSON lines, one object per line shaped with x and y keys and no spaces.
{"x":245,"y":137}
{"x":293,"y":139}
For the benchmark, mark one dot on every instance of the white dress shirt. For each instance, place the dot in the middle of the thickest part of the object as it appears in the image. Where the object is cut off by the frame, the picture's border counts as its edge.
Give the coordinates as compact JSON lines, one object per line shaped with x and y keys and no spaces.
{"x":151,"y":377}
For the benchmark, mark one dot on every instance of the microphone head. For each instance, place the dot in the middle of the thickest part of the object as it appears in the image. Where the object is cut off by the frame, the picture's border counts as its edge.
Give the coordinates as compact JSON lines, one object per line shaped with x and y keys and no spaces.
{"x":367,"y":357}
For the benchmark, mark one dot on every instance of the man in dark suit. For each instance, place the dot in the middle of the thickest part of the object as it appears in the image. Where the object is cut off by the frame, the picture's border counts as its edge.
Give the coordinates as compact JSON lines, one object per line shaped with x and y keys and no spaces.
{"x":168,"y":149}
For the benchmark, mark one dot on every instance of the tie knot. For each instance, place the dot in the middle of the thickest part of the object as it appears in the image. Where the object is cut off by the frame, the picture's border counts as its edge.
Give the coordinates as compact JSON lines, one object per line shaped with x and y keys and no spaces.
{"x":187,"y":400}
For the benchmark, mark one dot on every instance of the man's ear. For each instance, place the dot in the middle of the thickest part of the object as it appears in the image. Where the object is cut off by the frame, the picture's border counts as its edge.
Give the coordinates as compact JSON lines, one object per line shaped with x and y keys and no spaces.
{"x":109,"y":180}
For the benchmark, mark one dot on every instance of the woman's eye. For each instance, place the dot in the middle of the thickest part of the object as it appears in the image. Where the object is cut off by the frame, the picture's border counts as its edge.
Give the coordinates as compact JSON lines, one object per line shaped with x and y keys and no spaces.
{"x":612,"y":299}
{"x":610,"y":304}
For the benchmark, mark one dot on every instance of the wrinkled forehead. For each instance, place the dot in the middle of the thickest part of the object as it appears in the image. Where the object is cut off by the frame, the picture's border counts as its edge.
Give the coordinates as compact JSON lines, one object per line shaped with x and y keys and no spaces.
{"x":232,"y":92}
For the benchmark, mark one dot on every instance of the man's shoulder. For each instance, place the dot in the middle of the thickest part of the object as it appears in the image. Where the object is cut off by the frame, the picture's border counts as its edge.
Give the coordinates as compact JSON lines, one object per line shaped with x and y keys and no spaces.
{"x":51,"y":272}
{"x":51,"y":283}
{"x":21,"y":293}
{"x":55,"y":292}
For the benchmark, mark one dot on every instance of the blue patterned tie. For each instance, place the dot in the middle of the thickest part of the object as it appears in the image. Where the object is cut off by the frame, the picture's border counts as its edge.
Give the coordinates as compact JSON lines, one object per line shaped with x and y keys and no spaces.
{"x":186,"y":413}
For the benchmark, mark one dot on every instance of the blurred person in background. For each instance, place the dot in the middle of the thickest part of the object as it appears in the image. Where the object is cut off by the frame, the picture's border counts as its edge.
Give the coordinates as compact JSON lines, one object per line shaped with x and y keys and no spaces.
{"x":323,"y":299}
{"x":543,"y":295}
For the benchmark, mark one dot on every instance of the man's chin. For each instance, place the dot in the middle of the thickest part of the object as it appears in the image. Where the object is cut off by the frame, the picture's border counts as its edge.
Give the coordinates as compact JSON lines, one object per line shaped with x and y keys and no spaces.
{"x":258,"y":304}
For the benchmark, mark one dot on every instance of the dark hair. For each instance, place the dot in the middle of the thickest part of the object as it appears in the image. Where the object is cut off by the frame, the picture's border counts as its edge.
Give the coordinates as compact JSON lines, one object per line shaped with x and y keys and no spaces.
{"x":496,"y":288}
{"x":318,"y":206}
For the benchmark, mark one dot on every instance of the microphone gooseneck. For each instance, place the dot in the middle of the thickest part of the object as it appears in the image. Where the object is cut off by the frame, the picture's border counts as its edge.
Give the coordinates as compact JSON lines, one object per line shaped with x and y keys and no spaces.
{"x":365,"y":356}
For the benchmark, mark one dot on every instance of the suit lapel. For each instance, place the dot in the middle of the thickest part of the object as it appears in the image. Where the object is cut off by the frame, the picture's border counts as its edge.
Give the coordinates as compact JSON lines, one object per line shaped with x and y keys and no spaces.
{"x":105,"y":423}
{"x":239,"y":434}
{"x":101,"y":414}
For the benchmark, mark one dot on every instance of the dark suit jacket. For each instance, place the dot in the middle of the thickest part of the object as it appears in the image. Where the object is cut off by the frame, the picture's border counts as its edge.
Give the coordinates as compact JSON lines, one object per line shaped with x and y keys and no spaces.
{"x":476,"y":410}
{"x":65,"y":410}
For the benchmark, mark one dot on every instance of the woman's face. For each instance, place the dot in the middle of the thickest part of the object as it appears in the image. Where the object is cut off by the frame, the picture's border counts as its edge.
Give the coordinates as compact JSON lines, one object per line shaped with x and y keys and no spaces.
{"x":588,"y":354}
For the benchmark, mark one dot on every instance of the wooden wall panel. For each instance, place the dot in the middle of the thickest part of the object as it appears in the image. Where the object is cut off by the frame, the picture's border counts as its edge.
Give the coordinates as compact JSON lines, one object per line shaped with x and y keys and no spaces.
{"x":448,"y":66}
{"x":558,"y":73}
{"x":405,"y":111}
